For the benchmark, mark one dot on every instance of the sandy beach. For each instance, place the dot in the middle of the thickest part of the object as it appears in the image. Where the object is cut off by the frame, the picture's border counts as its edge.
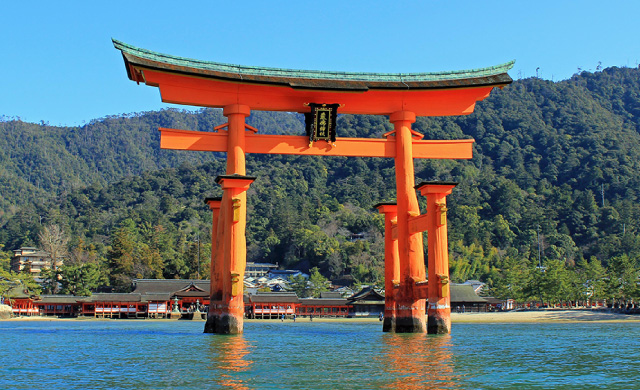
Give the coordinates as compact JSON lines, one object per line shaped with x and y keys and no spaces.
{"x":551,"y":315}
{"x":543,"y":316}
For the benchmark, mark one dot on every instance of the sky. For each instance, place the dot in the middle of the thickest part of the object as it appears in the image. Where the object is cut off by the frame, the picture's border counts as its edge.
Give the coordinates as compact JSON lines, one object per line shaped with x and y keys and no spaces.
{"x":58,"y":64}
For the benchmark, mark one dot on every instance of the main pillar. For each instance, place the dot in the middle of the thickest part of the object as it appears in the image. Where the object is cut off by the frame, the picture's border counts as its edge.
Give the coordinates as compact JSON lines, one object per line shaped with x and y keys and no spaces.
{"x":439,"y":309}
{"x":229,"y":252}
{"x":391,"y":265}
{"x":410,"y":309}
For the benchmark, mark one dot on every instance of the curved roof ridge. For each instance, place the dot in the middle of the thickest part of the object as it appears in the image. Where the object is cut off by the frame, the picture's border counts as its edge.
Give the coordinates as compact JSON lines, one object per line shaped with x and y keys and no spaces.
{"x":310,"y":74}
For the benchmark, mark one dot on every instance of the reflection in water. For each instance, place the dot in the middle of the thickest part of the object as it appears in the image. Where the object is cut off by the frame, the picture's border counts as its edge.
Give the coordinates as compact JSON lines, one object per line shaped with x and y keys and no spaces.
{"x":419,"y":361}
{"x":228,"y":355}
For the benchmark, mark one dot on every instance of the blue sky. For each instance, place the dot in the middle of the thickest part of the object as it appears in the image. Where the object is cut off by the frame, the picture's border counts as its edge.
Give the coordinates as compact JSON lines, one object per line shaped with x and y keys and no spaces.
{"x":58,"y":64}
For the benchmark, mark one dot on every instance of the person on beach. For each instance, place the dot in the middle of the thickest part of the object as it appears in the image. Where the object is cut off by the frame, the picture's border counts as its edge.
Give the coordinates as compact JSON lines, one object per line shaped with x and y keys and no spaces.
{"x":294,"y":317}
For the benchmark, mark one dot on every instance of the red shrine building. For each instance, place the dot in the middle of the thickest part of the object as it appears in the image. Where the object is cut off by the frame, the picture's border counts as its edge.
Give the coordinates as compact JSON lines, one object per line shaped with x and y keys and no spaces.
{"x":411,"y":288}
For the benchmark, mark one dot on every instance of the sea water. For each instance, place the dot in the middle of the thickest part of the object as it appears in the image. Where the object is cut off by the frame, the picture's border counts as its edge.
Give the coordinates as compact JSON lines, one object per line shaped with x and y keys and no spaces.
{"x":140,"y":354}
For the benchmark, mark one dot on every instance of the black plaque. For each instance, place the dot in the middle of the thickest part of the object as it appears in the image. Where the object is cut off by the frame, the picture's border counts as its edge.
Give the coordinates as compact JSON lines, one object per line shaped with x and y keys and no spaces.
{"x":321,"y":122}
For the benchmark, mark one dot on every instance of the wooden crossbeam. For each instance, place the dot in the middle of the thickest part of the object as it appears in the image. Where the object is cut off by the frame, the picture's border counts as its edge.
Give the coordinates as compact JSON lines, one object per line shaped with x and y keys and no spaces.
{"x":417,"y":224}
{"x":299,"y":145}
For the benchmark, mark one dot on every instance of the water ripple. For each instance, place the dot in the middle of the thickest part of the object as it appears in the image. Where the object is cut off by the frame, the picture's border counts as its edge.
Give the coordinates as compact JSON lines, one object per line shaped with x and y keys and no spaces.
{"x":305,"y":355}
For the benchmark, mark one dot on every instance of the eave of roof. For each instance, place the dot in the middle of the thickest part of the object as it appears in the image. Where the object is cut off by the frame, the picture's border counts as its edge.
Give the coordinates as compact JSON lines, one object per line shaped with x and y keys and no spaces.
{"x":324,"y":301}
{"x":310,"y":79}
{"x":148,"y":286}
{"x":61,"y":299}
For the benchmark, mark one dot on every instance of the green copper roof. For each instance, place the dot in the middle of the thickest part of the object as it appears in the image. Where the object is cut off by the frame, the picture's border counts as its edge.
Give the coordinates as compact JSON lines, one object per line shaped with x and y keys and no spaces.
{"x":494,"y":75}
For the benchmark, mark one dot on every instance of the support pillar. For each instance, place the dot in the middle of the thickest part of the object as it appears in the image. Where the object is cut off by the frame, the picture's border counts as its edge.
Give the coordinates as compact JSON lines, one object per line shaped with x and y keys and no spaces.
{"x":215,"y":286}
{"x":391,"y":265}
{"x":226,"y":314}
{"x":410,"y":309}
{"x":439,"y":305}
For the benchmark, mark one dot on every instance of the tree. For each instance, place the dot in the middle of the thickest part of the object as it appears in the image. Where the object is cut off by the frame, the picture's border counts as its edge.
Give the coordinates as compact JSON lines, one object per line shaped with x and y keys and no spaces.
{"x":317,"y":283}
{"x":299,"y":285}
{"x":121,"y":257}
{"x":82,"y":279}
{"x":623,"y":275}
{"x":514,"y":279}
{"x":5,"y":259}
{"x":23,"y":280}
{"x":51,"y":280}
{"x":595,"y":278}
{"x":54,"y":241}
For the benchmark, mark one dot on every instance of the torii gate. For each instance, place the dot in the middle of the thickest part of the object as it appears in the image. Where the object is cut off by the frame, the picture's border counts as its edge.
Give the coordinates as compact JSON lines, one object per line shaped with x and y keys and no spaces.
{"x":240,"y":89}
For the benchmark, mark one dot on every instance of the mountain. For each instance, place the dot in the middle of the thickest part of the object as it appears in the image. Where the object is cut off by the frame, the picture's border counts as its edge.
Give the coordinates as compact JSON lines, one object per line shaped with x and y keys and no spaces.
{"x":553,"y":178}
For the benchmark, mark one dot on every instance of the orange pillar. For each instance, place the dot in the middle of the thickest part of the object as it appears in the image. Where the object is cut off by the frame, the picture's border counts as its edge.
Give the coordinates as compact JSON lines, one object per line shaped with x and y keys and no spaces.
{"x":391,"y":265}
{"x":226,"y":313}
{"x":439,"y":309}
{"x":227,"y":306}
{"x":409,"y":308}
{"x":236,"y":113}
{"x":215,"y":287}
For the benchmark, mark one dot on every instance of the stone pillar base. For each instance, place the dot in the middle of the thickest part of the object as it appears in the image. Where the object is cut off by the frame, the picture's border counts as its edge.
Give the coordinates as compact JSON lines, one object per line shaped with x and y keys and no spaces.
{"x":224,"y":324}
{"x":438,"y":325}
{"x":197,"y":316}
{"x":5,"y":312}
{"x":410,"y":325}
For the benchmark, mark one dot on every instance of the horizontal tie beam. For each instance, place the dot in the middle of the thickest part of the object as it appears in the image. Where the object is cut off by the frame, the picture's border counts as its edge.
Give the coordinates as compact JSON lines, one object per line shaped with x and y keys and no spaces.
{"x":299,"y":145}
{"x":417,"y":224}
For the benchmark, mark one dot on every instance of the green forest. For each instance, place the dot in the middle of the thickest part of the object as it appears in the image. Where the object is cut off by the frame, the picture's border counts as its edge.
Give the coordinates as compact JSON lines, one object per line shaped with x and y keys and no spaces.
{"x":546,"y":210}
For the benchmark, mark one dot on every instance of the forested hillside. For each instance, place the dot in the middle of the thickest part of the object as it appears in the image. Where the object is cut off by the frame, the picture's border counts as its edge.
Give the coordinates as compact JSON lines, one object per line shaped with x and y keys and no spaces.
{"x":553,"y":182}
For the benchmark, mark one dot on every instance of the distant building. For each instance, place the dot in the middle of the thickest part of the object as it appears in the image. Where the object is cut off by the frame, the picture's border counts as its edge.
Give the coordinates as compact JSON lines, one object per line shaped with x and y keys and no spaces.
{"x":29,"y":259}
{"x":285,"y":274}
{"x":256,"y":270}
{"x":465,"y":299}
{"x":366,"y":302}
{"x":329,"y":304}
{"x":477,"y":285}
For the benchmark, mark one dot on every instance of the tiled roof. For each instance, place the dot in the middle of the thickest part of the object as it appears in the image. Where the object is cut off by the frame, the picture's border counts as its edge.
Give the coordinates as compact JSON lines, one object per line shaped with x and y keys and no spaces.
{"x":155,"y":297}
{"x":366,"y":294}
{"x":62,"y":299}
{"x":146,"y":286}
{"x":323,"y":301}
{"x":112,"y":297}
{"x":464,"y":293}
{"x":330,"y":294}
{"x":313,"y":79}
{"x":274,"y":297}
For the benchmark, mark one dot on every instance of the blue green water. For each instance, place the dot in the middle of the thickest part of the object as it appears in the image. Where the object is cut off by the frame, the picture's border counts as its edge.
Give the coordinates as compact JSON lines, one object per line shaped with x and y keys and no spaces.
{"x":305,"y":355}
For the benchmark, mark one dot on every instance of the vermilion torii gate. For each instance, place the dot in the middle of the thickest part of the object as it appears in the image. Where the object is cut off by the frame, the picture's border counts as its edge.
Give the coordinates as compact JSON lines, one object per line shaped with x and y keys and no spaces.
{"x":240,"y":89}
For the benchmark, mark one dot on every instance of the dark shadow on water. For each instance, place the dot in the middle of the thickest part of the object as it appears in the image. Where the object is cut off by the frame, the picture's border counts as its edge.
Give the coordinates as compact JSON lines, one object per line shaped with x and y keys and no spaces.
{"x":419,"y":361}
{"x":229,"y":358}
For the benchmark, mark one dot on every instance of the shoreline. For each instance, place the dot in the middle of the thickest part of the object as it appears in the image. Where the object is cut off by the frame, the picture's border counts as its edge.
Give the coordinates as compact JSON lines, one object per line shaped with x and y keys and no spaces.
{"x":530,"y":316}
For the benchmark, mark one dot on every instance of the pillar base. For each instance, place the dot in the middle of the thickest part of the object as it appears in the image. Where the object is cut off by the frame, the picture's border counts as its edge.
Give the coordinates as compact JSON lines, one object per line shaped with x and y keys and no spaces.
{"x":410,"y":324}
{"x":438,"y":325}
{"x":224,"y":324}
{"x":388,"y":324}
